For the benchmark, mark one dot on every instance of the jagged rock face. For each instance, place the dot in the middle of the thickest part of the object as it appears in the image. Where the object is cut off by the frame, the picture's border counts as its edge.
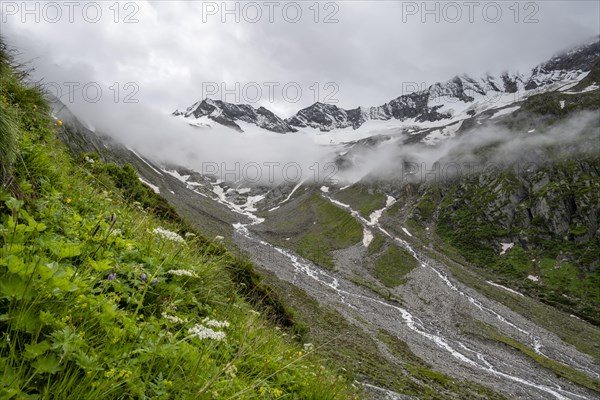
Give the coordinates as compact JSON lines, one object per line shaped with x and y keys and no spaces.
{"x":415,"y":105}
{"x":422,"y":106}
{"x":324,"y":117}
{"x":511,"y":83}
{"x":554,"y":204}
{"x":227,"y":114}
{"x":564,"y":66}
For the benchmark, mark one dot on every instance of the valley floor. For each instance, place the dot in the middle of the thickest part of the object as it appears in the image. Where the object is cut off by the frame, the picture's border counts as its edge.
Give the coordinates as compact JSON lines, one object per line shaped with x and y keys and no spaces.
{"x":454,"y":328}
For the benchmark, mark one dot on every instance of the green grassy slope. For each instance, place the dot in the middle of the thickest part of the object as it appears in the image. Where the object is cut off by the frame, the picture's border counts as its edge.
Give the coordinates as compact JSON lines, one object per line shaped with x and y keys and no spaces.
{"x":315,"y":228}
{"x":566,"y":263}
{"x":106,"y":294}
{"x":362,"y":198}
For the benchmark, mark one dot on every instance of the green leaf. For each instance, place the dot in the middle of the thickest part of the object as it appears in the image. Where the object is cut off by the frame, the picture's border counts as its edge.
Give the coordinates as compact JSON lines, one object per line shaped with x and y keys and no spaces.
{"x":4,"y":196}
{"x":14,"y":204}
{"x":9,"y":393}
{"x":62,"y":250}
{"x":36,"y":350}
{"x":87,"y":362}
{"x":63,"y":284}
{"x":14,"y":287}
{"x":25,"y":320}
{"x":48,"y":364}
{"x":101,"y":266}
{"x":12,"y":248}
{"x":15,"y":264}
{"x":46,"y":271}
{"x":66,"y":340}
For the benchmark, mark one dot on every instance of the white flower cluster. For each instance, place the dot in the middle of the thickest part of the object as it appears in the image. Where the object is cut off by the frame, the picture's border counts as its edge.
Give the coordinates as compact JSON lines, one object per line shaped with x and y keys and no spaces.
{"x":167,"y":234}
{"x":309,"y":347}
{"x":202,"y":332}
{"x":215,"y":324}
{"x":181,"y":272}
{"x":174,"y":319}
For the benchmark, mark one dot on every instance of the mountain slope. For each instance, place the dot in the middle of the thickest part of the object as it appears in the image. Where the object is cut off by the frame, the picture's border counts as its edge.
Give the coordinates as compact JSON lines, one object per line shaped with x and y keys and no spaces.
{"x":459,"y":95}
{"x":228,"y":114}
{"x":443,"y":103}
{"x":100,"y":298}
{"x":421,"y":286}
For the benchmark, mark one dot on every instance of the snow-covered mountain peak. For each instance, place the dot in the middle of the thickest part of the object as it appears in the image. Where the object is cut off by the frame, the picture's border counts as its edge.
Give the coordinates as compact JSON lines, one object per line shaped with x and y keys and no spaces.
{"x":228,"y":114}
{"x":458,"y":98}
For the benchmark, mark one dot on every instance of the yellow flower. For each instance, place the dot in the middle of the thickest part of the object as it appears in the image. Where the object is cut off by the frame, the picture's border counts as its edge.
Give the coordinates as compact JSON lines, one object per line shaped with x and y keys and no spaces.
{"x":59,"y":122}
{"x":300,"y":353}
{"x":68,"y":200}
{"x":167,"y":382}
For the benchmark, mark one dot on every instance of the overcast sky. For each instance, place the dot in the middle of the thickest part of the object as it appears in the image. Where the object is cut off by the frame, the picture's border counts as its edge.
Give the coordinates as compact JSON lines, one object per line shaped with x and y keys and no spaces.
{"x":368,"y":53}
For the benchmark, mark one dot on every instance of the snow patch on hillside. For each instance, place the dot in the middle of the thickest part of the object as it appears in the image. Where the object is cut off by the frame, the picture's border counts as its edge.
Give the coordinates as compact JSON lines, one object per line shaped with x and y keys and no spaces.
{"x":505,"y":111}
{"x":154,"y":188}
{"x":367,"y":237}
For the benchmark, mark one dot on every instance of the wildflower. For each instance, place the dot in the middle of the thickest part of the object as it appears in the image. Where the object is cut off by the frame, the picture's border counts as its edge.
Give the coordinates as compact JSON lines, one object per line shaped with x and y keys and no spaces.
{"x":181,"y":272}
{"x":300,"y":353}
{"x":167,"y":383}
{"x":154,"y":282}
{"x":143,"y":277}
{"x":174,"y":319}
{"x":202,"y":332}
{"x":59,"y":122}
{"x":231,"y":371}
{"x":116,"y":232}
{"x":167,"y":234}
{"x":125,"y":374}
{"x":276,"y":392}
{"x":309,"y":347}
{"x":112,"y":276}
{"x":89,"y":160}
{"x":214,"y":323}
{"x":68,"y":200}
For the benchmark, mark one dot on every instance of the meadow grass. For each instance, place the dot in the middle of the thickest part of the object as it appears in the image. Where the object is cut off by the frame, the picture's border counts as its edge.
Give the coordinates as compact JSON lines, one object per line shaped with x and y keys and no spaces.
{"x":105,"y":294}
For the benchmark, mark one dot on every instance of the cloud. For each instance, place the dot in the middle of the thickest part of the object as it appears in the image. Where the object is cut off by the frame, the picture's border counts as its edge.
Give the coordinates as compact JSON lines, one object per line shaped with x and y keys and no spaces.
{"x":369,"y":53}
{"x":162,"y":61}
{"x":488,"y":148}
